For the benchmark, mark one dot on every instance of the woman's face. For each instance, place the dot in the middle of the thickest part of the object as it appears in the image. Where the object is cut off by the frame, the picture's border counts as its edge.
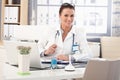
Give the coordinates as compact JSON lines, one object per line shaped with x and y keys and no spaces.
{"x":67,"y":17}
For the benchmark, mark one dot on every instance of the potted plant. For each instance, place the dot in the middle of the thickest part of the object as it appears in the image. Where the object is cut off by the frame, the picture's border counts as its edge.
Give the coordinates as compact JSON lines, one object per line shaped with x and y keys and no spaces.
{"x":24,"y":60}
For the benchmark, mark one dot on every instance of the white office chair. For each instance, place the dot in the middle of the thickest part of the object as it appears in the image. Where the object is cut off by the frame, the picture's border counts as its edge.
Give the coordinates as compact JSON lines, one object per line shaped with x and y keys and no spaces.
{"x":110,"y":47}
{"x":102,"y":70}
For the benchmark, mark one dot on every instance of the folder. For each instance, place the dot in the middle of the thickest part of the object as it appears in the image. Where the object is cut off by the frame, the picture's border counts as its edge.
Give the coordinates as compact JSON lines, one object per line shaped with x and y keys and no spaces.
{"x":11,"y":30}
{"x":11,"y":14}
{"x":6,"y":30}
{"x":6,"y":14}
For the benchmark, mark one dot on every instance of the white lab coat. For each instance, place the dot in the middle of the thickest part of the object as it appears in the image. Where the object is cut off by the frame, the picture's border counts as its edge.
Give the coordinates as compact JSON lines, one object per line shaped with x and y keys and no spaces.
{"x":65,"y":47}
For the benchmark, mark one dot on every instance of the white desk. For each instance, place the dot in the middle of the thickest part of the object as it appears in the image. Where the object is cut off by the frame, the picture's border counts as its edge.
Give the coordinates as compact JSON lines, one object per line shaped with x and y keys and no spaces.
{"x":10,"y":73}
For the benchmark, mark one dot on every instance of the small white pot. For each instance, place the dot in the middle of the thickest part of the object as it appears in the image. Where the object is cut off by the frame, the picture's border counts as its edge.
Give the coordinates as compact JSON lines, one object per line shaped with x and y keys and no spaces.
{"x":23,"y":64}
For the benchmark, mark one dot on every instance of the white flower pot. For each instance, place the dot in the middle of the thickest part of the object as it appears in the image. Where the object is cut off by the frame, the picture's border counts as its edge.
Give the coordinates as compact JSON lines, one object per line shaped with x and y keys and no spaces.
{"x":23,"y":64}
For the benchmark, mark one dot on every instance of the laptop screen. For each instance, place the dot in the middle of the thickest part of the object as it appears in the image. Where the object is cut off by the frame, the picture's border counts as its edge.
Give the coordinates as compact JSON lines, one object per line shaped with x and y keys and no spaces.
{"x":12,"y":52}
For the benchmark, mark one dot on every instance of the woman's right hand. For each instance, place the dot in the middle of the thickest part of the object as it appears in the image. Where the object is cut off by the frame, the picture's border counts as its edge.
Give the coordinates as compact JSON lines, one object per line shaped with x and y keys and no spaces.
{"x":51,"y":49}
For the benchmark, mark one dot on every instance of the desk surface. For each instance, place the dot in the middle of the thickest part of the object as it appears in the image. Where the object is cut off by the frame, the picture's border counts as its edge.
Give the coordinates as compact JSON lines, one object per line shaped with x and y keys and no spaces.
{"x":10,"y":73}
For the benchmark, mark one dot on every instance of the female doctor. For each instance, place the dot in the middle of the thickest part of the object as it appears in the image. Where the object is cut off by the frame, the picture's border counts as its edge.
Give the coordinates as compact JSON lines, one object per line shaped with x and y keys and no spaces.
{"x":65,"y":39}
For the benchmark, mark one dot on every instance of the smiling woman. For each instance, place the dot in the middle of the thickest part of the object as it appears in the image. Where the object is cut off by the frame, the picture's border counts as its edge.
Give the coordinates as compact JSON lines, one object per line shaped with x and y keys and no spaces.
{"x":66,"y":15}
{"x":71,"y":39}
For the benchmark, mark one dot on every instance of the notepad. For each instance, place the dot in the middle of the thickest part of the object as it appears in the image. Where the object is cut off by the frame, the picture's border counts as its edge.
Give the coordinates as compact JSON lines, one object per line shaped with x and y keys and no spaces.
{"x":58,"y":61}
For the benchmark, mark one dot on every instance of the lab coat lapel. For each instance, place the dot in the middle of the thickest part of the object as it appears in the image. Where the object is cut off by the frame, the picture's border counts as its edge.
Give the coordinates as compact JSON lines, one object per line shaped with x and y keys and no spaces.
{"x":70,"y":33}
{"x":60,"y":42}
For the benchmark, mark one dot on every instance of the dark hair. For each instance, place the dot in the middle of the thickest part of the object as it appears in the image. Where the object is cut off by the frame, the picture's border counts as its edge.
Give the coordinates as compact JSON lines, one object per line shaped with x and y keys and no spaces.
{"x":66,"y":5}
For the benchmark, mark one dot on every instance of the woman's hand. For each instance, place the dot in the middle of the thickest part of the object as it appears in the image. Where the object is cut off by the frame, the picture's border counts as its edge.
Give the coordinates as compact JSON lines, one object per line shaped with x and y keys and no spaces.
{"x":62,"y":57}
{"x":51,"y":49}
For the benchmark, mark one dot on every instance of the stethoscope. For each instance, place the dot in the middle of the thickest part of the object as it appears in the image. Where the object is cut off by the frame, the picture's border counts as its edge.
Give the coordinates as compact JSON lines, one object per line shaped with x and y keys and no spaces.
{"x":57,"y":36}
{"x":75,"y":45}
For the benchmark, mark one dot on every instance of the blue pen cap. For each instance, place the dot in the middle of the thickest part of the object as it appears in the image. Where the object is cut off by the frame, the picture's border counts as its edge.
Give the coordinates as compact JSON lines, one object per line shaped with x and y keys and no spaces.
{"x":54,"y":63}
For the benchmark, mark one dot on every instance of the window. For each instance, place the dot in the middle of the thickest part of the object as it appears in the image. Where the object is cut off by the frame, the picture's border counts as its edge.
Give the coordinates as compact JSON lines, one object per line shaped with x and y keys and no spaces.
{"x":94,"y":15}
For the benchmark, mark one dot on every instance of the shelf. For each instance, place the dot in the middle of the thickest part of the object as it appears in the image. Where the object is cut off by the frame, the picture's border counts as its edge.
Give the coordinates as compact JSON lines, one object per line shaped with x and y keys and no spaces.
{"x":17,"y":10}
{"x":12,"y":5}
{"x":18,"y":23}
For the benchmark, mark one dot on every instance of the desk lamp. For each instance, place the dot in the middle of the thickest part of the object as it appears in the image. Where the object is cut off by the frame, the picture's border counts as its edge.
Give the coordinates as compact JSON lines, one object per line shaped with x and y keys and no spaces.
{"x":70,"y":67}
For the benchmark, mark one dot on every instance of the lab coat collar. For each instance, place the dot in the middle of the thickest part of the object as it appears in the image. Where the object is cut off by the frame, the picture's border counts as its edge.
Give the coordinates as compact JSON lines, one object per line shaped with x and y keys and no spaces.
{"x":71,"y":31}
{"x":60,"y":44}
{"x":69,"y":34}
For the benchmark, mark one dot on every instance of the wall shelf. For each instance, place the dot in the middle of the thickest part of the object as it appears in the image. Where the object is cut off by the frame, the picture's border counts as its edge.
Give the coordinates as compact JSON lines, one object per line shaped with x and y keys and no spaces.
{"x":13,"y":15}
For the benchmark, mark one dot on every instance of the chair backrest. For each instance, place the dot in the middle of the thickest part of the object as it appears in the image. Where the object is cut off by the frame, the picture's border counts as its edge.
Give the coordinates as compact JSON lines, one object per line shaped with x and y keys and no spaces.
{"x":110,"y":47}
{"x":102,"y":70}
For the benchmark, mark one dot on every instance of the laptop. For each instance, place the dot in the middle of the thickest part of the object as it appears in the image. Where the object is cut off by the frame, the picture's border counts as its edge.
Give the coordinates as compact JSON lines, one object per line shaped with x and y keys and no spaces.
{"x":12,"y":52}
{"x":36,"y":62}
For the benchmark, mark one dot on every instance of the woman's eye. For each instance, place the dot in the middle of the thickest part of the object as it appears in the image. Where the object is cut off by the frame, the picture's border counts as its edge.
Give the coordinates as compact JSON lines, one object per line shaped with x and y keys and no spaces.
{"x":72,"y":15}
{"x":66,"y":15}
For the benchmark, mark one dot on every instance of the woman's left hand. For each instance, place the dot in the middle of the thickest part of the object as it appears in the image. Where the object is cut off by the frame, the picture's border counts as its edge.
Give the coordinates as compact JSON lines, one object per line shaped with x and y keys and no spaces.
{"x":62,"y":57}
